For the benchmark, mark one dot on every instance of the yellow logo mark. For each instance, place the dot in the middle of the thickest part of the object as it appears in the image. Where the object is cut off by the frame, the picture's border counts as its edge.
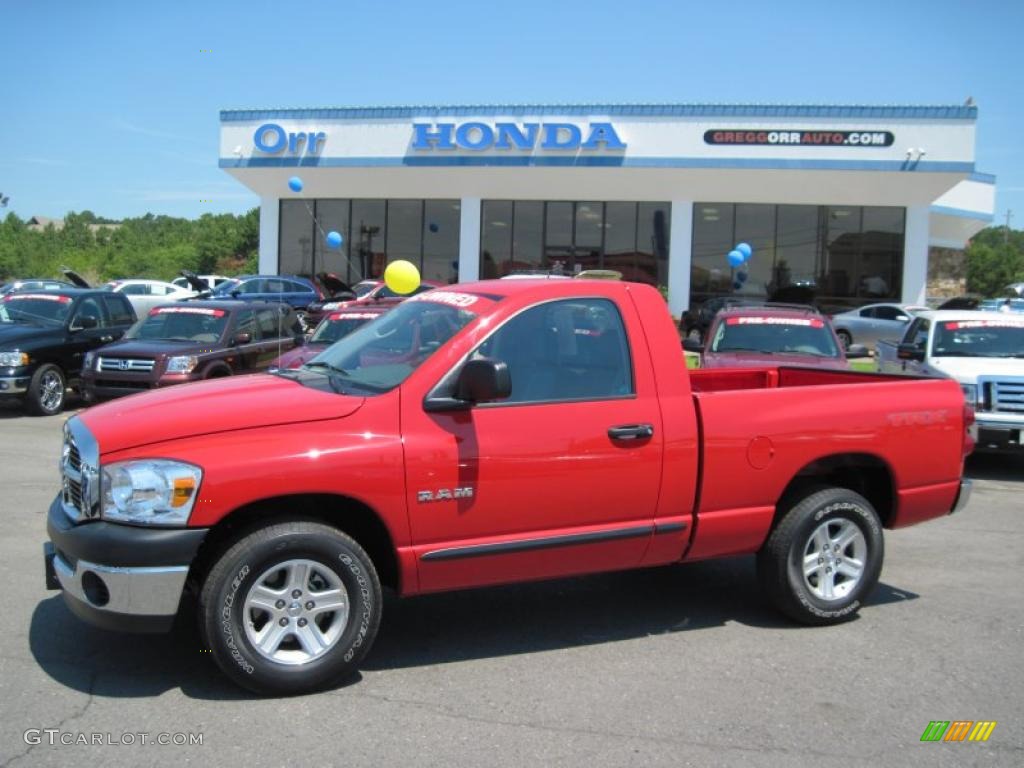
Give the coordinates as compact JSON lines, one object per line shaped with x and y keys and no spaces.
{"x":982,"y":730}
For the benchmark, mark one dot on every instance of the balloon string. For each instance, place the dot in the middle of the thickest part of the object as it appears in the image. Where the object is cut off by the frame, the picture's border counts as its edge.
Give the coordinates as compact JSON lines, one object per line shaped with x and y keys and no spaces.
{"x":323,"y":235}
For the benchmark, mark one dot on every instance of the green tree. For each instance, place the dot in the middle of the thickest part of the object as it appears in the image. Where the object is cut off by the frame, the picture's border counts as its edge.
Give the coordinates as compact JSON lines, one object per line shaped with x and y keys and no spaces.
{"x":995,"y":258}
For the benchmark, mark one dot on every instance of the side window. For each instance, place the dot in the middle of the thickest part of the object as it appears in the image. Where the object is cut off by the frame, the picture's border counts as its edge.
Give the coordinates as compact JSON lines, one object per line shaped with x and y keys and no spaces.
{"x":887,"y":313}
{"x":89,"y":307}
{"x":247,"y":324}
{"x":274,"y":286}
{"x":918,"y":333}
{"x":135,"y":289}
{"x":869,"y":312}
{"x":252,"y":286}
{"x":119,"y":310}
{"x":271,"y":323}
{"x":573,"y":349}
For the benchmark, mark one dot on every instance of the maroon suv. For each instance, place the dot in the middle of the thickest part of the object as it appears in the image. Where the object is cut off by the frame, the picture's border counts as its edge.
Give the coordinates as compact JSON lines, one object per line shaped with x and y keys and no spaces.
{"x":189,"y":341}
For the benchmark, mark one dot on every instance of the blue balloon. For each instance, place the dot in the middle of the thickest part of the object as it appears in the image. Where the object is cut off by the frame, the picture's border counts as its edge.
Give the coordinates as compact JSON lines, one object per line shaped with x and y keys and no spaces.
{"x":746,"y":250}
{"x":334,"y":239}
{"x":741,"y":277}
{"x":735,"y":259}
{"x":433,"y":226}
{"x":295,"y":184}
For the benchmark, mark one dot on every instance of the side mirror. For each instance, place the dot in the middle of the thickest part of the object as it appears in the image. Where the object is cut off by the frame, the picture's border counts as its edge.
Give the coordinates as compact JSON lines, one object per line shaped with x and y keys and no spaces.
{"x":910,"y":352}
{"x":241,"y":338}
{"x":857,"y":351}
{"x":692,"y":345}
{"x":236,"y":293}
{"x":902,"y":318}
{"x":84,"y":323}
{"x":479,"y":381}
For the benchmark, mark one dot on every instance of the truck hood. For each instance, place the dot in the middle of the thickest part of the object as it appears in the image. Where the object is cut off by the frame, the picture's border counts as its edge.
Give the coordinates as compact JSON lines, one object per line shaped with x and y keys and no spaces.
{"x":13,"y":336}
{"x":966,"y":370}
{"x":758,"y":359}
{"x":210,"y":407}
{"x":155,"y":348}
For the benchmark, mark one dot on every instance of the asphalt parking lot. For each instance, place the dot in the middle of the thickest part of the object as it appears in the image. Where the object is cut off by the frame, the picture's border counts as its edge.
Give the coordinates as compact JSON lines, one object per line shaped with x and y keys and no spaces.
{"x":666,"y":667}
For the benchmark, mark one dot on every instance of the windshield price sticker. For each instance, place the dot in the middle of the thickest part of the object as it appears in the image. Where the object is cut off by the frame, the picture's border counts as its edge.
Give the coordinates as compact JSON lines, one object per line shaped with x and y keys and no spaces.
{"x":806,"y":322}
{"x":40,"y":296}
{"x":961,"y":325}
{"x":186,"y":311}
{"x":451,"y":298}
{"x":354,"y":315}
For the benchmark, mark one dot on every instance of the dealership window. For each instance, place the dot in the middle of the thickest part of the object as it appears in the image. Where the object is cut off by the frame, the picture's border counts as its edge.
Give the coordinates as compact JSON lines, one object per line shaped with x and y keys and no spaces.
{"x":374,"y":232}
{"x":839,"y":256}
{"x":521,"y":235}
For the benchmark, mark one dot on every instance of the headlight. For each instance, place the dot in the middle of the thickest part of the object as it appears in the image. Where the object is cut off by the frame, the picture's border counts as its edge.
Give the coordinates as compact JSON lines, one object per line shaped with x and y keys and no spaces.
{"x":149,"y":491}
{"x":182,"y":364}
{"x":970,"y":393}
{"x":13,"y":359}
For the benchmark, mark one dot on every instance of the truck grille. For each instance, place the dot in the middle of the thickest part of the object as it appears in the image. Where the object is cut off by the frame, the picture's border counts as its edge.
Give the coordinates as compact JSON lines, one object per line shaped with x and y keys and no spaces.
{"x":1004,"y":395}
{"x":79,"y":469}
{"x":125,"y":364}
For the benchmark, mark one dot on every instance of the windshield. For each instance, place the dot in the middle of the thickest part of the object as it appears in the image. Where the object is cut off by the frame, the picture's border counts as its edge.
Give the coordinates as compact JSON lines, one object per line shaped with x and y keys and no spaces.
{"x":381,"y":354}
{"x":775,"y":335}
{"x":200,"y":324}
{"x":363,"y":288}
{"x":979,"y":338}
{"x":338,"y":326}
{"x":35,"y":309}
{"x":225,"y":288}
{"x":387,"y":293}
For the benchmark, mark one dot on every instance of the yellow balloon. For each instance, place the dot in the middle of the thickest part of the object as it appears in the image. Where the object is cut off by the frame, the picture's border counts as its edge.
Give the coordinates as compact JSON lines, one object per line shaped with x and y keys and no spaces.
{"x":402,"y":277}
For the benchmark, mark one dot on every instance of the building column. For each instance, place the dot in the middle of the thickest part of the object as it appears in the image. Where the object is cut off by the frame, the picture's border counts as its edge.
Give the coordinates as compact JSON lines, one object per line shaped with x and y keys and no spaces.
{"x":915,"y":255}
{"x":469,"y":240}
{"x":270,"y":213}
{"x":679,"y":256}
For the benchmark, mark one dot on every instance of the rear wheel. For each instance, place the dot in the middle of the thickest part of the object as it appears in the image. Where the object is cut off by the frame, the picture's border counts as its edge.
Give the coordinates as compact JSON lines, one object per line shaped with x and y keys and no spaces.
{"x":291,"y":608}
{"x":46,"y":391}
{"x":823,"y":557}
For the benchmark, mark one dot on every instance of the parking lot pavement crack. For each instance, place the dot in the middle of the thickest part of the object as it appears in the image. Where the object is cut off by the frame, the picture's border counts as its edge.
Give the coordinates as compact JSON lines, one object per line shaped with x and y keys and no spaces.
{"x":867,"y":759}
{"x":60,"y":726}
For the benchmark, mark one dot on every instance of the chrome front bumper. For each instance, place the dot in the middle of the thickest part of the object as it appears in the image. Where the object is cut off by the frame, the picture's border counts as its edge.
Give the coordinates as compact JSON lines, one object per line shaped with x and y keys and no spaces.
{"x":125,"y":591}
{"x":14,"y":385}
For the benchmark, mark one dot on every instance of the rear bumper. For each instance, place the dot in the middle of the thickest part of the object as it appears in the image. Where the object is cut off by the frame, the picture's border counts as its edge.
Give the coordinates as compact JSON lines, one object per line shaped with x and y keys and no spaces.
{"x":962,"y":496}
{"x":119,"y":577}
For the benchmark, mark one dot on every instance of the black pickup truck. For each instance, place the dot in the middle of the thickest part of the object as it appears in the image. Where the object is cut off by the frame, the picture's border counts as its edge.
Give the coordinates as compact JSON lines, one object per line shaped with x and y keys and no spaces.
{"x":44,"y":337}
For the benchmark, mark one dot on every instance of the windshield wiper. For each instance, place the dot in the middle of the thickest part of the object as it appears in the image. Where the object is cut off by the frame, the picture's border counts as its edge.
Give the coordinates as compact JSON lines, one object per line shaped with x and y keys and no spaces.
{"x":328,"y":366}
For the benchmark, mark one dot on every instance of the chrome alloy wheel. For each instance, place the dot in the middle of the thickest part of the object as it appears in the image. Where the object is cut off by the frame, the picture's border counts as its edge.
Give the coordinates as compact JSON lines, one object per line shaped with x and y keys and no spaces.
{"x":51,"y":391}
{"x":296,"y":611}
{"x":834,"y":559}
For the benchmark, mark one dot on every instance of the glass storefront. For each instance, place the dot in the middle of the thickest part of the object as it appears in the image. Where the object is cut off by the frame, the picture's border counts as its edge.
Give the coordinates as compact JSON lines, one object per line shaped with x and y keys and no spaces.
{"x":524,"y":235}
{"x":837,"y":255}
{"x":374,"y":232}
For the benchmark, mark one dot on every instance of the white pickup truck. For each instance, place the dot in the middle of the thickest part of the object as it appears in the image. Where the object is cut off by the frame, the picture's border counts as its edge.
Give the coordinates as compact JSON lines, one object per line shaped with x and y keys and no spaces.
{"x":984,"y":352}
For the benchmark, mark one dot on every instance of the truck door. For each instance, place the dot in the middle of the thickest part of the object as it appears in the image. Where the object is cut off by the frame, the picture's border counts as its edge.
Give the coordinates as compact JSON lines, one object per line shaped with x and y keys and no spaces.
{"x":917,"y":335}
{"x":563,"y":477}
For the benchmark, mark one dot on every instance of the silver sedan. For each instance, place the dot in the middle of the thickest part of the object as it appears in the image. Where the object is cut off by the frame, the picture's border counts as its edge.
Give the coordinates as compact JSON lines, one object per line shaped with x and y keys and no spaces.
{"x":866,"y":325}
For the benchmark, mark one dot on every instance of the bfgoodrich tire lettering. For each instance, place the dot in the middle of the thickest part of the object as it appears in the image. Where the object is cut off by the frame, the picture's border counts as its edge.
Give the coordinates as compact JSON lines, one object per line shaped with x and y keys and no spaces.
{"x":250,"y":589}
{"x":823,"y":557}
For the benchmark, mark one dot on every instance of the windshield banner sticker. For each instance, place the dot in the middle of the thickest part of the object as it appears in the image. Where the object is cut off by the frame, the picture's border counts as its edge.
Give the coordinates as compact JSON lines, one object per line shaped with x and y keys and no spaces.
{"x":186,"y":310}
{"x":451,"y":298}
{"x":41,"y":296}
{"x":961,"y":325}
{"x":806,"y":322}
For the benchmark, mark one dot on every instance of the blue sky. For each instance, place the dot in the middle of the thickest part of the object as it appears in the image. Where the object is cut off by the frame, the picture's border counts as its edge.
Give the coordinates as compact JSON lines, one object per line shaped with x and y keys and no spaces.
{"x":113,"y":106}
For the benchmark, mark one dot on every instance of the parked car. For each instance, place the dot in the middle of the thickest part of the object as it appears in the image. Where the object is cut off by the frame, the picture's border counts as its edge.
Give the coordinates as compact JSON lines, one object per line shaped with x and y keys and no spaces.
{"x":146,"y":294}
{"x":983,"y":352}
{"x":333,"y":290}
{"x":205,"y":282}
{"x":866,"y":325}
{"x":34,"y":284}
{"x":177,"y":343}
{"x":335,"y":326}
{"x":44,"y":337}
{"x":694,"y":324}
{"x":378,"y":295}
{"x":297,"y":292}
{"x":480,"y":435}
{"x":770,"y":336}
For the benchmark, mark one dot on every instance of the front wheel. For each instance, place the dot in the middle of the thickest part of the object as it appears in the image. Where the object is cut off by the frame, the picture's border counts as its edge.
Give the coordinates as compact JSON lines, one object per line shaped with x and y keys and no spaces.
{"x":46,"y":391}
{"x":290,"y":608}
{"x":823,"y":557}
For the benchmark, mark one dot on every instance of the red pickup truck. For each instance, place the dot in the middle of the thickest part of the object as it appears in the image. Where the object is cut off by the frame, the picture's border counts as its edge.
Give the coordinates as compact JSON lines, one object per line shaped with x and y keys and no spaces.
{"x":486,"y":433}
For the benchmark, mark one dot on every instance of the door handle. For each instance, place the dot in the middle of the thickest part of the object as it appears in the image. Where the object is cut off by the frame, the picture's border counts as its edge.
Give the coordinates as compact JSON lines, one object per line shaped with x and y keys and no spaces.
{"x":106,"y":339}
{"x":631,"y":432}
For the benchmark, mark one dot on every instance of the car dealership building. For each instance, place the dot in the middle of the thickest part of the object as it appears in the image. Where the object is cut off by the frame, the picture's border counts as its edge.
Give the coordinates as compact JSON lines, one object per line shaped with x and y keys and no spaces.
{"x":844,"y":200}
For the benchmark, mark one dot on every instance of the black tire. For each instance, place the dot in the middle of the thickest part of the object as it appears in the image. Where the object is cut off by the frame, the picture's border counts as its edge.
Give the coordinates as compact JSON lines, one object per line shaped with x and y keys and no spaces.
{"x":47,"y":391}
{"x":787,"y":555}
{"x":845,"y":338}
{"x":229,"y":628}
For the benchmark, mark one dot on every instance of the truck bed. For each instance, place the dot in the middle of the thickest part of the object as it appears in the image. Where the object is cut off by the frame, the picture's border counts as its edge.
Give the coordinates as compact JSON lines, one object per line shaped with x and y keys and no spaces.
{"x":730,"y":379}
